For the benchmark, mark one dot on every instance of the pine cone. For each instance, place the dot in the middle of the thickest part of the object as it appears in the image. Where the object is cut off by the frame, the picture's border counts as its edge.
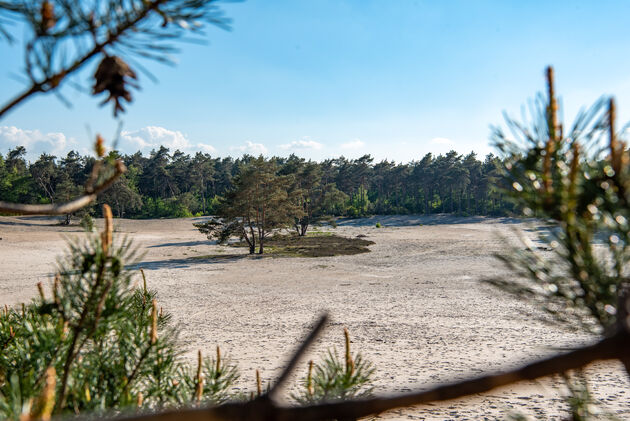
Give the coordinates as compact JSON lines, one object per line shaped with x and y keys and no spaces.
{"x":49,"y":20}
{"x":112,"y":76}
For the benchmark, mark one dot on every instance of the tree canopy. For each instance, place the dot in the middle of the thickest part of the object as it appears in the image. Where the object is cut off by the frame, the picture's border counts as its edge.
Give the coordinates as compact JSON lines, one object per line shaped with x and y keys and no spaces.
{"x":175,"y":184}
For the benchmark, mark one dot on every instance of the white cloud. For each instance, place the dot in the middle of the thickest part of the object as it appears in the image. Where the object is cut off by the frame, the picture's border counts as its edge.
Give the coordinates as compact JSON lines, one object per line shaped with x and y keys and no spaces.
{"x":353,"y":144}
{"x":35,"y":141}
{"x":206,"y":148}
{"x":152,"y":137}
{"x":251,"y":148}
{"x":302,"y":144}
{"x":441,"y":141}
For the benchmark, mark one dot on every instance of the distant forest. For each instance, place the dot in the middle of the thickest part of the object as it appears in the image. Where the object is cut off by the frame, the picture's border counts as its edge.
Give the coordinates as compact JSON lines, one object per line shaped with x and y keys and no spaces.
{"x":166,"y":184}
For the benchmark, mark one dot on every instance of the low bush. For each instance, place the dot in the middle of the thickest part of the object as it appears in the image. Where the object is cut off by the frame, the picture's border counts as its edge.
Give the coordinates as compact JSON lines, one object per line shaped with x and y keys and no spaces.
{"x":336,"y":379}
{"x":98,"y":342}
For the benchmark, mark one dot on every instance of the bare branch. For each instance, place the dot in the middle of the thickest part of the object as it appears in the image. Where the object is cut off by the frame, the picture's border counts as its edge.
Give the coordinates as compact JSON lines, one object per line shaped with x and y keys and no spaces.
{"x":317,"y":329}
{"x":63,"y":208}
{"x":263,"y":409}
{"x":609,"y":348}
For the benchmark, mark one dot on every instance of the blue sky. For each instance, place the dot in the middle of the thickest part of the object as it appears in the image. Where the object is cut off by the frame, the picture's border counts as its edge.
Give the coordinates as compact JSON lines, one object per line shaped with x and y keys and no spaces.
{"x":395,"y":79}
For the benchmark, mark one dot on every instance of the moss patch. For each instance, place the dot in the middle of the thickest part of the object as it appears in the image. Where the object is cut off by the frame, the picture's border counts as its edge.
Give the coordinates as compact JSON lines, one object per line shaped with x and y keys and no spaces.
{"x":318,"y":245}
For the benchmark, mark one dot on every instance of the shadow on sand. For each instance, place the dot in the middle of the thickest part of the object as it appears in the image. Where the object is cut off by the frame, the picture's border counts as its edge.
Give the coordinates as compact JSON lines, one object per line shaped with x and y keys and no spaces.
{"x":34,"y":221}
{"x":415,"y":220}
{"x":184,"y":243}
{"x":192,"y":261}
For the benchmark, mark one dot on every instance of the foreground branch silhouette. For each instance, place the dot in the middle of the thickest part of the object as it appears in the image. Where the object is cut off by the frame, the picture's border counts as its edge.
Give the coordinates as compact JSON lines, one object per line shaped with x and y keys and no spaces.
{"x":130,"y":28}
{"x":614,"y":347}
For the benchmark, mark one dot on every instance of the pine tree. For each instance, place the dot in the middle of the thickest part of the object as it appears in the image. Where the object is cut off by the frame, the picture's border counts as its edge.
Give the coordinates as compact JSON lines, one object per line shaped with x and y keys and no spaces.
{"x":257,"y":206}
{"x":582,"y":190}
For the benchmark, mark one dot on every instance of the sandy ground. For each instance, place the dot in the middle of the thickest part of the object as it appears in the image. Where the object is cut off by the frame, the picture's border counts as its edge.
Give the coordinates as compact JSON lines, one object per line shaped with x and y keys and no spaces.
{"x":414,"y":305}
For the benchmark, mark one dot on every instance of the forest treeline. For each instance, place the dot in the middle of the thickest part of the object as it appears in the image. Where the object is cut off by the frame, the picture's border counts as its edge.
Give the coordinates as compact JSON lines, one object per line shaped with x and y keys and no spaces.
{"x":176,"y":184}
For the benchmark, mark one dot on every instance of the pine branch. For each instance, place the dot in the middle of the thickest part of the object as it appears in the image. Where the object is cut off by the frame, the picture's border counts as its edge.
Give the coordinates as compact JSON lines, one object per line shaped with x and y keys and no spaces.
{"x":53,"y":81}
{"x":136,"y":369}
{"x":88,"y":309}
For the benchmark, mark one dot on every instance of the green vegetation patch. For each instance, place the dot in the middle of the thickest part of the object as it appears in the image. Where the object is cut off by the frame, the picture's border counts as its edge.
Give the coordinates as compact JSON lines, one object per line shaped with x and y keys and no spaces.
{"x":320,"y":245}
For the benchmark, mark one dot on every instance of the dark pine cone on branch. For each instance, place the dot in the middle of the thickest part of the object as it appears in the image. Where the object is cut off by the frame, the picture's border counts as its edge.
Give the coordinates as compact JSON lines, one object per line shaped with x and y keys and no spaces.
{"x":112,"y":75}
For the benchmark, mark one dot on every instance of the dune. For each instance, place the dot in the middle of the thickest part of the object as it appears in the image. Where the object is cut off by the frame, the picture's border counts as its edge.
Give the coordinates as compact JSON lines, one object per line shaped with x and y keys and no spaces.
{"x":415,"y":305}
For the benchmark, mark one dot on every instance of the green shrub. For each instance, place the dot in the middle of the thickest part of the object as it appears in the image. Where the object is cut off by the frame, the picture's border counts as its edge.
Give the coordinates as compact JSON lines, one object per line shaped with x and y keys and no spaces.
{"x":87,"y":222}
{"x":337,"y":379}
{"x":98,"y":343}
{"x":581,"y":190}
{"x":378,"y":225}
{"x":562,"y":178}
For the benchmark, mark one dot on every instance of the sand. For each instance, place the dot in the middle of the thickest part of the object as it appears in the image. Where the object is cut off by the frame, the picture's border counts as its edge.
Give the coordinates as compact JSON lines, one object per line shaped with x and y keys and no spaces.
{"x":415,"y":306}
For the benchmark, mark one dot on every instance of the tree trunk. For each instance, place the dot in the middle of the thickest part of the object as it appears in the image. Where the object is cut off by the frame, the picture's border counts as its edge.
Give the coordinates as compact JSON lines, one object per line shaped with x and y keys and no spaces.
{"x":251,"y":243}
